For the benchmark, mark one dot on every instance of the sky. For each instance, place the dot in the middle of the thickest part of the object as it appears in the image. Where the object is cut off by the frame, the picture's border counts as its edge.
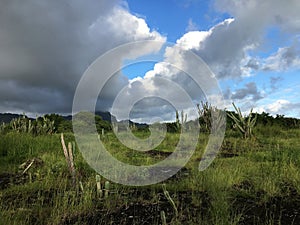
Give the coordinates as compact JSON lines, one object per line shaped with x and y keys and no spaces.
{"x":252,"y":48}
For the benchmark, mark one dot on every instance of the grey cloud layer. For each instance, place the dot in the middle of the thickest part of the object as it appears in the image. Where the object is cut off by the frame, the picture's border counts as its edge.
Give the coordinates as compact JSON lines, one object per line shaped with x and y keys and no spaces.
{"x":284,"y":59}
{"x":45,"y":46}
{"x":252,"y":18}
{"x":250,"y":89}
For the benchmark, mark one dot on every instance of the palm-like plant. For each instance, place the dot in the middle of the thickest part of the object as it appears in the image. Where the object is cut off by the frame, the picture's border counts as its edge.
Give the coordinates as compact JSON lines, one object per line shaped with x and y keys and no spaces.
{"x":245,"y":124}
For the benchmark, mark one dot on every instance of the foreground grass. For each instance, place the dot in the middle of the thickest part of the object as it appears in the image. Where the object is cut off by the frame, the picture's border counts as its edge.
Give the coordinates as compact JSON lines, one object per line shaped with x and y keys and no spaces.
{"x":251,"y":182}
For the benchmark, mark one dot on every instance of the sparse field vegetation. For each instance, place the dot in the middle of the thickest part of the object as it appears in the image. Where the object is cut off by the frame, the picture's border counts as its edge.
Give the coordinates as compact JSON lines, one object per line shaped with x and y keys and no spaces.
{"x":253,"y":180}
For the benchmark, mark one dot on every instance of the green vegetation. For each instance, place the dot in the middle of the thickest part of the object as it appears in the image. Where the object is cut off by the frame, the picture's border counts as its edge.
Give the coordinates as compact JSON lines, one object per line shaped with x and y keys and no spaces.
{"x":205,"y":114}
{"x":245,"y":124}
{"x":253,"y":180}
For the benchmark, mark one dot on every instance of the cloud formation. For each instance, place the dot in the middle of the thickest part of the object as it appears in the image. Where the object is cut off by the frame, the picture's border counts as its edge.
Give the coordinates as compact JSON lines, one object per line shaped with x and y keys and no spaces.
{"x":226,"y":47}
{"x":250,"y":89}
{"x":284,"y":59}
{"x":45,"y":46}
{"x":229,"y":47}
{"x":282,"y":107}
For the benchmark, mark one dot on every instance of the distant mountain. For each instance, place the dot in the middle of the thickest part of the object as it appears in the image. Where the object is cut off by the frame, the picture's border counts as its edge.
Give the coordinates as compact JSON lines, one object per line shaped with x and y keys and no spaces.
{"x":7,"y":117}
{"x":106,"y":116}
{"x":138,"y":125}
{"x":69,"y":117}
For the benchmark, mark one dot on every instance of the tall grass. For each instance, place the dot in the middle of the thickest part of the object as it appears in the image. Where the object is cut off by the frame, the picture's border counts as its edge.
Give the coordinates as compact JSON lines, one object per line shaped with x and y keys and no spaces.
{"x":261,"y":170}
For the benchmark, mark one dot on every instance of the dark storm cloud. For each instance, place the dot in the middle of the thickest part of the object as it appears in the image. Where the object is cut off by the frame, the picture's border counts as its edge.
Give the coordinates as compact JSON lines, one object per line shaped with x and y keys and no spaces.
{"x":45,"y":47}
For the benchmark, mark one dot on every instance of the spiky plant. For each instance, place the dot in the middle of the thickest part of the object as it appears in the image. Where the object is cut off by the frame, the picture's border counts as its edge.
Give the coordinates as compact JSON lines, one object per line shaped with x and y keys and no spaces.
{"x":171,"y":201}
{"x":23,"y":124}
{"x":106,"y":188}
{"x":210,"y":117}
{"x":30,"y":127}
{"x":68,"y":152}
{"x":20,"y":124}
{"x":245,"y":124}
{"x":163,"y":217}
{"x":44,"y":126}
{"x":98,"y":183}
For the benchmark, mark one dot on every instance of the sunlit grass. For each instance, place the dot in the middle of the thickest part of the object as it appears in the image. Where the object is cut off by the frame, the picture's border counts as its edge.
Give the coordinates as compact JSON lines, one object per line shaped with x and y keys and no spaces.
{"x":260,"y":169}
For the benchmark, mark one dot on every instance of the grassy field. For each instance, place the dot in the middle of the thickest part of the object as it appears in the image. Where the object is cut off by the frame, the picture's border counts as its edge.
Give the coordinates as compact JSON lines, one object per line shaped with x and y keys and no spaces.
{"x":252,"y":181}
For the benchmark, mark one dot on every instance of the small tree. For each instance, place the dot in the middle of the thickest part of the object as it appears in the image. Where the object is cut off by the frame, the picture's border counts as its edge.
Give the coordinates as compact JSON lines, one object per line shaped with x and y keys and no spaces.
{"x":245,"y":124}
